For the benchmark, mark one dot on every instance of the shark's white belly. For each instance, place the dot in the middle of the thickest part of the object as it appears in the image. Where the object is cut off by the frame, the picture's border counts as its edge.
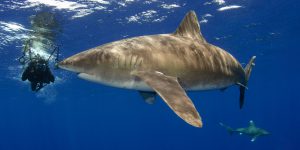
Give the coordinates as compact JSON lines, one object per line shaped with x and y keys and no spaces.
{"x":135,"y":84}
{"x":201,"y":87}
{"x":131,"y":83}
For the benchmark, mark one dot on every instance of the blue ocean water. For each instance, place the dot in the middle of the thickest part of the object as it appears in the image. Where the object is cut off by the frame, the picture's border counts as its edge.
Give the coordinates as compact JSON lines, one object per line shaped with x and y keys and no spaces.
{"x":76,"y":114}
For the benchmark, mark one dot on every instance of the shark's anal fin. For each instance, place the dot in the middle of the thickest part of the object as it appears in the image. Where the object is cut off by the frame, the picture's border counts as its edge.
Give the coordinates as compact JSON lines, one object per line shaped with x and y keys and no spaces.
{"x":223,"y":89}
{"x":173,"y":94}
{"x":149,"y":97}
{"x":189,"y":27}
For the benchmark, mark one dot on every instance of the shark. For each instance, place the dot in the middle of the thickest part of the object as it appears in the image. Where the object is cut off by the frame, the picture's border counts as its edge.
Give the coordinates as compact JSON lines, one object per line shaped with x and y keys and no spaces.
{"x":167,"y":65}
{"x":252,"y":131}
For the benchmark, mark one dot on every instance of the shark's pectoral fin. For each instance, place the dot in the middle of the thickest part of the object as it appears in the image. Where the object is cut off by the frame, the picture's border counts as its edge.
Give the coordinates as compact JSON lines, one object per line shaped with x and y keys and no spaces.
{"x":173,"y":94}
{"x":149,"y":97}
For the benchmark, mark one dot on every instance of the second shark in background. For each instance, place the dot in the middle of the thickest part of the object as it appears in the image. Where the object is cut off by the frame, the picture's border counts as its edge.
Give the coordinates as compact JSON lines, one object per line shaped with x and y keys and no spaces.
{"x":252,"y":131}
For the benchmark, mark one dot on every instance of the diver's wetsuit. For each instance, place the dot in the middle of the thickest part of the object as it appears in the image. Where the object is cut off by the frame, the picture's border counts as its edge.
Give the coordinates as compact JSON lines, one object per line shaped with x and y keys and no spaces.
{"x":38,"y":73}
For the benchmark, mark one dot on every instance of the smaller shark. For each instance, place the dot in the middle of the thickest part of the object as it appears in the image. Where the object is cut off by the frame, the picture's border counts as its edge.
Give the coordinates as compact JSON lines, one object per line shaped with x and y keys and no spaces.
{"x":251,"y":130}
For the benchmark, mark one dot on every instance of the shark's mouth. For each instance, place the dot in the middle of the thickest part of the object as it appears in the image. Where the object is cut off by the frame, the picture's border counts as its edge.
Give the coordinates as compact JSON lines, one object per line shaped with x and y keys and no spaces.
{"x":68,"y":68}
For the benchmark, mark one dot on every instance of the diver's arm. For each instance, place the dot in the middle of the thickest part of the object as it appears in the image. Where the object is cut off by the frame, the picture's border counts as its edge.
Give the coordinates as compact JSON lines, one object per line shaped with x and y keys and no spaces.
{"x":50,"y":75}
{"x":25,"y":74}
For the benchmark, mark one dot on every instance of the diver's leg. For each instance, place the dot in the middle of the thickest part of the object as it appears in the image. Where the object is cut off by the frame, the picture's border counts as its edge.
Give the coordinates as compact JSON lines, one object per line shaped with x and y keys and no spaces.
{"x":50,"y":75}
{"x":47,"y":81}
{"x":40,"y":86}
{"x":33,"y":86}
{"x":51,"y":78}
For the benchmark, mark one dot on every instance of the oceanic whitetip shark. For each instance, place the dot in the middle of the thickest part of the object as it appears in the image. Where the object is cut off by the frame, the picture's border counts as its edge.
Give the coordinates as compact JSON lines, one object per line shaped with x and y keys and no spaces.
{"x":251,"y":131}
{"x":166,"y":64}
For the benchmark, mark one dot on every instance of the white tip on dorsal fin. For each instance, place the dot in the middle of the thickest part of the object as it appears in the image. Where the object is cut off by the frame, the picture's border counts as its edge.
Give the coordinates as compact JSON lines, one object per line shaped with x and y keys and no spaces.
{"x":189,"y":27}
{"x":251,"y":123}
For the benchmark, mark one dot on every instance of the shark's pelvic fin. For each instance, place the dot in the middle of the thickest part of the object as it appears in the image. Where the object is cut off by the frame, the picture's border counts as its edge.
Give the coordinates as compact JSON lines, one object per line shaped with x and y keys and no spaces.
{"x":253,"y":138}
{"x":173,"y":94}
{"x":149,"y":97}
{"x":243,"y":86}
{"x":189,"y":27}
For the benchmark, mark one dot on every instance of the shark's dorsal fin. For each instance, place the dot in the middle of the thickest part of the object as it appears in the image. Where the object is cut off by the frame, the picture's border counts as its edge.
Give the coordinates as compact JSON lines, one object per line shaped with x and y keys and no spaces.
{"x":251,"y":123}
{"x":189,"y":27}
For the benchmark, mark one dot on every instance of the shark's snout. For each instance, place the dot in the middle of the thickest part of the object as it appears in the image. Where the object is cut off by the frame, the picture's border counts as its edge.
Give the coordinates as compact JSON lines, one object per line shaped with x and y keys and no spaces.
{"x":65,"y":63}
{"x":266,"y":133}
{"x":68,"y":64}
{"x":77,"y":63}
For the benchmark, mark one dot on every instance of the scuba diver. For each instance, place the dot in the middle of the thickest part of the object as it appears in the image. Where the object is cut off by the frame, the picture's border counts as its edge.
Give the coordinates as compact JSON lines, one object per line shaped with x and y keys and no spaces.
{"x":39,"y":49}
{"x":37,"y":70}
{"x":38,"y":73}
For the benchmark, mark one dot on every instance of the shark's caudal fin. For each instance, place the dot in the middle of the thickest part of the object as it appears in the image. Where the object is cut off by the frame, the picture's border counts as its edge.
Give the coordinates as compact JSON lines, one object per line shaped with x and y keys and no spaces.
{"x":229,"y":129}
{"x":189,"y":27}
{"x":243,"y":87}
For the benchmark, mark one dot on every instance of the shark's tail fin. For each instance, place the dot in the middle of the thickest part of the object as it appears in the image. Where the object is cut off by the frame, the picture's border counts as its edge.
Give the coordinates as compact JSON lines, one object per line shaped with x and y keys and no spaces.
{"x":243,"y":87}
{"x":229,"y":129}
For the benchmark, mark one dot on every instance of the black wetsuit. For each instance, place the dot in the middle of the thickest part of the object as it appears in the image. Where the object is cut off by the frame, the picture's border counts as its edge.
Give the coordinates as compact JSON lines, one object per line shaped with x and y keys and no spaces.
{"x":38,"y":73}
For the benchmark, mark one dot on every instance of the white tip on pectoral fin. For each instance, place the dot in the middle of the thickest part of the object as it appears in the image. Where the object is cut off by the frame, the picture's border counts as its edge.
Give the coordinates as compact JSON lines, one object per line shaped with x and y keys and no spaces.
{"x":173,"y":94}
{"x":253,"y":139}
